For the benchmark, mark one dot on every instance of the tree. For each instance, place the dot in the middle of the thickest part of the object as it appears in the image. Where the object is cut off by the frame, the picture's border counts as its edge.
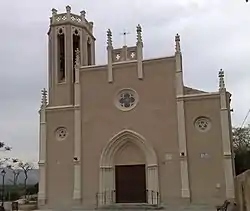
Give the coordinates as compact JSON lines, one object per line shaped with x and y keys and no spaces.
{"x":13,"y":165}
{"x":3,"y":147}
{"x":241,"y":146}
{"x":26,"y":167}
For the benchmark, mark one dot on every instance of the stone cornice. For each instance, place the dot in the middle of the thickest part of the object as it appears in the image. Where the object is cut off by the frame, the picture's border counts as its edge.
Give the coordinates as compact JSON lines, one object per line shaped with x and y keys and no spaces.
{"x":198,"y":96}
{"x":65,"y":107}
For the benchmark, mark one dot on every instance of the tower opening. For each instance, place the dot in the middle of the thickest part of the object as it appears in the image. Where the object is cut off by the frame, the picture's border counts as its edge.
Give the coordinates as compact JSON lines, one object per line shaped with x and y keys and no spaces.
{"x":89,"y":52}
{"x":61,"y":57}
{"x":76,"y":45}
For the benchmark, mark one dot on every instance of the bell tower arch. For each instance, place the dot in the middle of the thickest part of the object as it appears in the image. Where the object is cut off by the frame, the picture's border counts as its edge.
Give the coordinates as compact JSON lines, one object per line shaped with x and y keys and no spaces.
{"x":67,"y":33}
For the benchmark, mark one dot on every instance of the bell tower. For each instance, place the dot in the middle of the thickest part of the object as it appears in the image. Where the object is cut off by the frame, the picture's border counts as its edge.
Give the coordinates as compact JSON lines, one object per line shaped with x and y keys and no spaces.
{"x":67,"y":33}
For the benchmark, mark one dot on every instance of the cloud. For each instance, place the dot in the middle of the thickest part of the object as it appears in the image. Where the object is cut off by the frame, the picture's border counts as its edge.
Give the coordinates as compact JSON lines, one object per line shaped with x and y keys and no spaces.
{"x":214,"y":35}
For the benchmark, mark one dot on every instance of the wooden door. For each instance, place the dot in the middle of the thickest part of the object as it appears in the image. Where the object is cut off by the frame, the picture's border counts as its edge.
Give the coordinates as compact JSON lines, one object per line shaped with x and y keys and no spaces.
{"x":130,"y":182}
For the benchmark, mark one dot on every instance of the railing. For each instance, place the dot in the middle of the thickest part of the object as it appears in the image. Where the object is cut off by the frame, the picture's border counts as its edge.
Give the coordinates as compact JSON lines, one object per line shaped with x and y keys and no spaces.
{"x":65,"y":17}
{"x":225,"y":205}
{"x":105,"y":198}
{"x":153,"y":197}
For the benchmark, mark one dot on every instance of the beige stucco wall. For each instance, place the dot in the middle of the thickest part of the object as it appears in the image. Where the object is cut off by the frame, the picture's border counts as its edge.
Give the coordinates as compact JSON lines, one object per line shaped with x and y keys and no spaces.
{"x":242,"y":191}
{"x":59,"y":159}
{"x":154,"y":118}
{"x":206,"y":174}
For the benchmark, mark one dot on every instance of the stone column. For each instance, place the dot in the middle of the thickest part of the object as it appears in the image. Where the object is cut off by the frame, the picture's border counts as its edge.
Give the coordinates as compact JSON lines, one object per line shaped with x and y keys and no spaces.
{"x":109,"y":52}
{"x":139,"y":45}
{"x":226,"y":138}
{"x":77,"y":133}
{"x":182,"y":140}
{"x":106,"y":195}
{"x":152,"y":184}
{"x":42,"y":151}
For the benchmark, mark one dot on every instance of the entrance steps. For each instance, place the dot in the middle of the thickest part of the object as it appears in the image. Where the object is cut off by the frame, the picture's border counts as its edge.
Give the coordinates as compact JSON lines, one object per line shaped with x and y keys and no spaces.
{"x":143,"y":207}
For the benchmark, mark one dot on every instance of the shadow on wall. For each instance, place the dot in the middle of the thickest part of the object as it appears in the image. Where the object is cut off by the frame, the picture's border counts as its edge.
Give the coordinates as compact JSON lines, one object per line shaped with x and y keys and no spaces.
{"x":242,"y":191}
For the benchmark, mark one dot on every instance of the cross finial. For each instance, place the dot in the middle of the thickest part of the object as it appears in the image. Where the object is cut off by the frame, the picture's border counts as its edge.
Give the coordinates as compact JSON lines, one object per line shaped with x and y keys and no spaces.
{"x":44,"y":98}
{"x":177,"y":43}
{"x":125,"y":37}
{"x":139,"y":33}
{"x":109,"y":37}
{"x":221,"y":80}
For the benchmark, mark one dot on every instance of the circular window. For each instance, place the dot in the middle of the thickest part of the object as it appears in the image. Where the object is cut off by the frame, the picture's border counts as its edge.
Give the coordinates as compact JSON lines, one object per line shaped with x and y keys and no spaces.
{"x":126,"y":99}
{"x":61,"y":133}
{"x":202,"y":124}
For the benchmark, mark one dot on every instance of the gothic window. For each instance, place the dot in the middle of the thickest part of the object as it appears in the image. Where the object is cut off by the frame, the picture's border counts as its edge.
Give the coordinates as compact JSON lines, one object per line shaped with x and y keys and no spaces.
{"x":61,"y":55}
{"x":126,"y":99}
{"x":89,"y":52}
{"x":76,"y":45}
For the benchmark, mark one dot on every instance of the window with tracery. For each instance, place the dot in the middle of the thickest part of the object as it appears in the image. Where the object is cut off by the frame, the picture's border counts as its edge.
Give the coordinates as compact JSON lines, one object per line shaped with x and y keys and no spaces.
{"x":76,"y":45}
{"x":202,"y":124}
{"x":61,"y":55}
{"x":126,"y":99}
{"x":61,"y":133}
{"x":89,"y":52}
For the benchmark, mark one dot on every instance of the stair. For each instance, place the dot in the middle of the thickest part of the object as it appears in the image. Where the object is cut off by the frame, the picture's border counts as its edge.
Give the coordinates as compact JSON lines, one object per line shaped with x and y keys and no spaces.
{"x":128,"y":206}
{"x":143,"y":207}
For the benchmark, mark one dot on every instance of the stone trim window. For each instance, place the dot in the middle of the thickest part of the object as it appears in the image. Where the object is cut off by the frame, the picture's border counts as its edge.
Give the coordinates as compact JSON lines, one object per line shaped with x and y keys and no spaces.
{"x":61,"y":55}
{"x":202,"y":124}
{"x":61,"y":133}
{"x":126,"y":99}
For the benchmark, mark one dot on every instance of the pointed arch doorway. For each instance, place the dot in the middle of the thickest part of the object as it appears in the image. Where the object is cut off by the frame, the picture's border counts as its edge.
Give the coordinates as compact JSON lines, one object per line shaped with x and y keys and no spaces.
{"x":128,"y":183}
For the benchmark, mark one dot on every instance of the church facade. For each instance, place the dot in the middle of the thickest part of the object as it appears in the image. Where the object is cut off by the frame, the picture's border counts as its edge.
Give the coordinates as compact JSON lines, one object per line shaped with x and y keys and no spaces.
{"x":129,"y":131}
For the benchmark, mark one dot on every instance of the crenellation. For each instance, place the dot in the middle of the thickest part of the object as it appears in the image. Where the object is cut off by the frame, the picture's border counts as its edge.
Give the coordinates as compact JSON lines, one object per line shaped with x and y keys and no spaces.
{"x":69,"y":17}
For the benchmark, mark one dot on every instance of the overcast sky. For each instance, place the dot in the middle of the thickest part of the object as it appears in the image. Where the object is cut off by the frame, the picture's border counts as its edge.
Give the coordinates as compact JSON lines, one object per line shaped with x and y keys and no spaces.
{"x":214,"y":34}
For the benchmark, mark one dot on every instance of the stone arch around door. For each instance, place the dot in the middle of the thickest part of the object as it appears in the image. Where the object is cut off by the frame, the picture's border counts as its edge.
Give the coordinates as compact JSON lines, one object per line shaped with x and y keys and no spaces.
{"x":107,"y":173}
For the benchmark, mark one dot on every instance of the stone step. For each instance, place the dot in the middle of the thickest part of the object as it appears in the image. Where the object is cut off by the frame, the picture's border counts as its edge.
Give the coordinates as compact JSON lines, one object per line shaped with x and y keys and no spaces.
{"x":142,"y":207}
{"x":128,"y":206}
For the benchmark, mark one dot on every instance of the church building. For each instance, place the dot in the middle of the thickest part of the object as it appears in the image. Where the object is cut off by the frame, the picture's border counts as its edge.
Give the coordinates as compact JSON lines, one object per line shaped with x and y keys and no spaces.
{"x":128,"y":133}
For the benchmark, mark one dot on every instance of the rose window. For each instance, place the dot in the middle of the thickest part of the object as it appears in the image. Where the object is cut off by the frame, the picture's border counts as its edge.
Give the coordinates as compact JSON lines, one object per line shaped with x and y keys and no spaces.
{"x":61,"y":133}
{"x":126,"y":99}
{"x":202,"y":124}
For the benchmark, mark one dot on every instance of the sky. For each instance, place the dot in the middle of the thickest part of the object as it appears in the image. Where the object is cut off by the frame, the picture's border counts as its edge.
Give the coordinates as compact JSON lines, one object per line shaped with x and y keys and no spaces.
{"x":214,"y":34}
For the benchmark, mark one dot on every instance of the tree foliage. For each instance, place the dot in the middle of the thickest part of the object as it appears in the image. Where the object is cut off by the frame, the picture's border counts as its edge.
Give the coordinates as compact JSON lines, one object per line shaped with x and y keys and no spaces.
{"x":26,"y":167}
{"x":241,"y":145}
{"x":4,"y":147}
{"x":13,"y":165}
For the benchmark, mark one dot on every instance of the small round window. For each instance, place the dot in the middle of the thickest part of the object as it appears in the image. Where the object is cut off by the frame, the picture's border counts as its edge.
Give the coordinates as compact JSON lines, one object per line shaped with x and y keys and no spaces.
{"x":202,"y":124}
{"x":61,"y":133}
{"x":126,"y":99}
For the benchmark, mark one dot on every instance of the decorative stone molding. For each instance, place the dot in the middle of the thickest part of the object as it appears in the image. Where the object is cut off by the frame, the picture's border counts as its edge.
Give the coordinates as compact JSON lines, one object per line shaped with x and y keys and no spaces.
{"x":60,"y":30}
{"x":107,"y":176}
{"x":226,"y":138}
{"x":76,"y":31}
{"x":42,"y":150}
{"x":181,"y":122}
{"x":126,"y":99}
